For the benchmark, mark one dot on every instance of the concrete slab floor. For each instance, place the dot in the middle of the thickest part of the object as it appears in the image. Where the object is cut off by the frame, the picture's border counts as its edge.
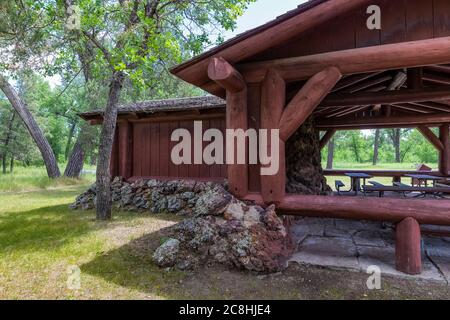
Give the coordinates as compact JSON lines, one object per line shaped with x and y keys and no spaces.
{"x":356,"y":245}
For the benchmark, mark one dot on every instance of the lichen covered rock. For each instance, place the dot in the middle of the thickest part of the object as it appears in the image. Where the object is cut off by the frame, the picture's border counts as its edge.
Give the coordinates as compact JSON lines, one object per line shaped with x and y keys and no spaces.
{"x":179,"y":197}
{"x":220,"y":229}
{"x":246,"y":237}
{"x":166,"y":254}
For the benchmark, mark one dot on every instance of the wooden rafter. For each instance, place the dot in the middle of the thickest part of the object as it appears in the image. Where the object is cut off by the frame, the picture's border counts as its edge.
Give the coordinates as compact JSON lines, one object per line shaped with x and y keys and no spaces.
{"x":413,"y":108}
{"x":368,"y":84}
{"x":432,"y":106}
{"x":400,"y":96}
{"x":353,"y":80}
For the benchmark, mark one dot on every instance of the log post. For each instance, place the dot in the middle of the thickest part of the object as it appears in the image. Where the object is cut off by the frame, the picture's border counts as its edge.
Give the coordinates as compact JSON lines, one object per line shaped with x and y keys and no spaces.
{"x":408,"y":247}
{"x":444,"y":155}
{"x":224,"y":74}
{"x":273,"y":100}
{"x":125,"y":145}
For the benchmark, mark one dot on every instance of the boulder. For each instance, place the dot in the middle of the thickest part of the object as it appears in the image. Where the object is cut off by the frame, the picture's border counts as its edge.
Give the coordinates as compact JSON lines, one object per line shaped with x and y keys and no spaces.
{"x":166,"y":254}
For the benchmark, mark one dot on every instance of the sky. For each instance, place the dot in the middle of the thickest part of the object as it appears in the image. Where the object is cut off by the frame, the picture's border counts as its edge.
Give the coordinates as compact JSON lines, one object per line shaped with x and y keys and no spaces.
{"x":261,"y":12}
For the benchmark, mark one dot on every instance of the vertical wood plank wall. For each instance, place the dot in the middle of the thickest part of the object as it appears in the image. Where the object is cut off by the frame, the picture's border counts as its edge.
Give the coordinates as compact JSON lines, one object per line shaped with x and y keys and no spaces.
{"x":150,"y":151}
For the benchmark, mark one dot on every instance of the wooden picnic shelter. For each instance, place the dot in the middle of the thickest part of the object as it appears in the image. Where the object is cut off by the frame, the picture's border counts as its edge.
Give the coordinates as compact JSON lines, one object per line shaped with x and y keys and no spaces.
{"x":320,"y":65}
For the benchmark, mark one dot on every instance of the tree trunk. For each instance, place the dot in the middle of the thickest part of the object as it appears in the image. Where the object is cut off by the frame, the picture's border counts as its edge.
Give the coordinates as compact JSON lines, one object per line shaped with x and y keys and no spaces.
{"x":9,"y":134}
{"x":330,"y":154}
{"x":76,"y":161}
{"x":303,"y":162}
{"x":397,"y":135}
{"x":11,"y":165}
{"x":104,"y":152}
{"x":376,"y":146}
{"x":4,"y":163}
{"x":22,"y":110}
{"x":69,"y":140}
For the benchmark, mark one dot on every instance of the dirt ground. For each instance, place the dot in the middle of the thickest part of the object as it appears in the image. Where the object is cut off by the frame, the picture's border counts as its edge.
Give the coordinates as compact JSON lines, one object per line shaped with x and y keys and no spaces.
{"x":304,"y":282}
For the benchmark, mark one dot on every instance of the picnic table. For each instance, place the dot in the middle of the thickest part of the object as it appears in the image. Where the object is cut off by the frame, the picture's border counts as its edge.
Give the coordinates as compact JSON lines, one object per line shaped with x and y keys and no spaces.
{"x":424,"y":178}
{"x":356,"y":180}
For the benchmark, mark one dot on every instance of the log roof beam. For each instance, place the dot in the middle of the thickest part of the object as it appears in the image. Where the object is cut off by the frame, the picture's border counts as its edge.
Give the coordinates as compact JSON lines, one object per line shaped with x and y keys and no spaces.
{"x":354,"y":61}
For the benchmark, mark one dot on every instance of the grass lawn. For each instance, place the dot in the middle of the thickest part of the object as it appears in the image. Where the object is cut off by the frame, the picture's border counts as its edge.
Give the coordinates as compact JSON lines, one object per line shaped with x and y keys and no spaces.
{"x":41,"y":240}
{"x":35,"y":178}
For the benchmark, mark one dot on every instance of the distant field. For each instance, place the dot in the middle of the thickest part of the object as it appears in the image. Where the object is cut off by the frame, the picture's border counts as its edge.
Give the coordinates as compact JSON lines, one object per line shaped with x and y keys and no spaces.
{"x":35,"y":178}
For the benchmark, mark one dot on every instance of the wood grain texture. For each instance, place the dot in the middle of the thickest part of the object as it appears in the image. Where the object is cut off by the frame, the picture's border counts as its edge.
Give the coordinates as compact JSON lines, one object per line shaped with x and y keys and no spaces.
{"x":273,"y":100}
{"x":306,"y":100}
{"x":408,"y":256}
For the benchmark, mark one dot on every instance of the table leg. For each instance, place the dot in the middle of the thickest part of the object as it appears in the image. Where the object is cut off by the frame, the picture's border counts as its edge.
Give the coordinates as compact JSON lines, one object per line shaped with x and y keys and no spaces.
{"x":358,"y":186}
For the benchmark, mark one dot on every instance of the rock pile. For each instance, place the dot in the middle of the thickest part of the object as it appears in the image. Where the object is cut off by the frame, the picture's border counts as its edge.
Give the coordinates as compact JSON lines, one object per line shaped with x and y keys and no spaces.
{"x":219,"y":228}
{"x":242,"y":236}
{"x":179,"y":197}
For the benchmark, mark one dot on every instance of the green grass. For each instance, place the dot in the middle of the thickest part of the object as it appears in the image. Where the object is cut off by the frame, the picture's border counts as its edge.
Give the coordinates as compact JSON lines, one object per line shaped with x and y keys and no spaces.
{"x":40,"y":238}
{"x":35,"y":178}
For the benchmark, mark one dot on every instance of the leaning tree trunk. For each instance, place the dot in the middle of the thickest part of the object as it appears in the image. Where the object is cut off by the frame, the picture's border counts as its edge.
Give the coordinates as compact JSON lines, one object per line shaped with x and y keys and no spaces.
{"x":303,"y":162}
{"x":76,"y":160}
{"x":22,"y":110}
{"x":69,"y":140}
{"x":105,"y":149}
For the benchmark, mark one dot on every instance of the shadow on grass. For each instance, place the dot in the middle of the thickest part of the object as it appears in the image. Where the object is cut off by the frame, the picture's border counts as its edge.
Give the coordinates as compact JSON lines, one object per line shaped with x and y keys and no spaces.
{"x":42,"y":228}
{"x":131,"y":266}
{"x":51,"y":227}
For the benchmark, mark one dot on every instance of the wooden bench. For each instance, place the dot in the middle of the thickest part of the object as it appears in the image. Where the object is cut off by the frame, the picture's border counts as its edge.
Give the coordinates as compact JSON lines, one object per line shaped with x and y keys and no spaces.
{"x":339,"y":184}
{"x":375,"y":184}
{"x":406,"y":189}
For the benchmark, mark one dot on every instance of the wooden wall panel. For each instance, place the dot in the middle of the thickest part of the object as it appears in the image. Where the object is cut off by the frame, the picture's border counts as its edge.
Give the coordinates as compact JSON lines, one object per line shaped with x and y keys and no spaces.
{"x":173,"y":169}
{"x":419,"y":20}
{"x":164,"y":151}
{"x":393,"y":21}
{"x":441,"y":17}
{"x":152,"y":148}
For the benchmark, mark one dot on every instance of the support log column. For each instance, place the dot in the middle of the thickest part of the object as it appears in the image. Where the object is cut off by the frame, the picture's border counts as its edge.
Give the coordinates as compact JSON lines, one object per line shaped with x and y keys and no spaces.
{"x":273,"y":100}
{"x":444,"y":155}
{"x":408,"y":247}
{"x":224,"y":74}
{"x":125,"y":151}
